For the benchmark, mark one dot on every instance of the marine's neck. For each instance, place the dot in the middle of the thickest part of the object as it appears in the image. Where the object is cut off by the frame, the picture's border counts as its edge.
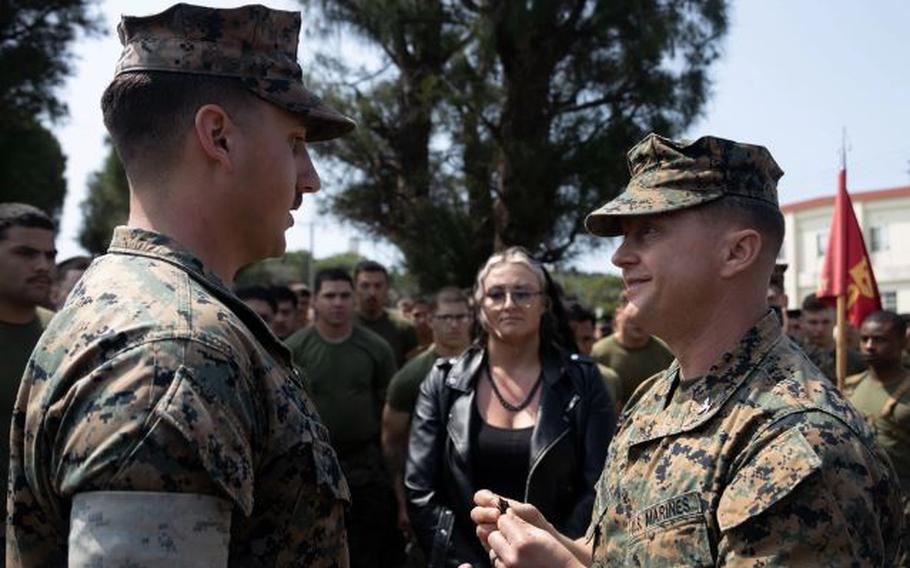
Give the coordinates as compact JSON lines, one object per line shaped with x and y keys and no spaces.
{"x":700,"y":341}
{"x":889,"y":372}
{"x":334,"y":333}
{"x":193,"y":226}
{"x":16,"y":312}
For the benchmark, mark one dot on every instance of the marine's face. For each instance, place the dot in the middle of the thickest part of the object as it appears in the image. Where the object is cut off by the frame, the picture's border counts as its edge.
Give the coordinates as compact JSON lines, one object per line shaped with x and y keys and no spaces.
{"x":451,"y":325}
{"x":513,"y":302}
{"x":285,"y":321}
{"x":818,"y":327}
{"x":420,"y":315}
{"x":334,"y":303}
{"x":584,"y":335}
{"x":372,"y":293}
{"x":275,"y":170}
{"x":26,"y":265}
{"x":669,"y":269}
{"x":262,"y":308}
{"x":880,"y":344}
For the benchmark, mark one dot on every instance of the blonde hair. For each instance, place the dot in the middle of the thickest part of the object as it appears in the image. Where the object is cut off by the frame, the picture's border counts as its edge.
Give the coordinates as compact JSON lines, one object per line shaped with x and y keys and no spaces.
{"x":511,"y":255}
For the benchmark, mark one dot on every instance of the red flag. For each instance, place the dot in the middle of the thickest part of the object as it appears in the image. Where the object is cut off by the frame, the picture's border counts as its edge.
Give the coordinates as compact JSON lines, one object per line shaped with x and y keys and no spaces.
{"x":847,"y":270}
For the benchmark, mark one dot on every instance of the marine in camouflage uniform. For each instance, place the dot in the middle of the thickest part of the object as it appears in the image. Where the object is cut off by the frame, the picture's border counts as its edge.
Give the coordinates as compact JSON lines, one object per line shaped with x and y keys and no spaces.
{"x":757,"y":460}
{"x":760,"y":461}
{"x":159,"y":421}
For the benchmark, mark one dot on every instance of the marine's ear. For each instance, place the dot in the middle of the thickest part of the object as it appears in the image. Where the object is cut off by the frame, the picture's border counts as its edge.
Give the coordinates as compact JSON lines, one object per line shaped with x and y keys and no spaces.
{"x":215,"y":133}
{"x":740,"y":250}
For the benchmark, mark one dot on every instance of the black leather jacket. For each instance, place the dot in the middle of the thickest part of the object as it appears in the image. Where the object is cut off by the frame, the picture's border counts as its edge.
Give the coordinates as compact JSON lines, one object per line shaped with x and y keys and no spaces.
{"x":568,"y":448}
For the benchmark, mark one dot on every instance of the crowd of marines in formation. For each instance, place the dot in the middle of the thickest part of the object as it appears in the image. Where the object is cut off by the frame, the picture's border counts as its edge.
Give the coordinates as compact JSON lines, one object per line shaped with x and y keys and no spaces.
{"x":163,"y":416}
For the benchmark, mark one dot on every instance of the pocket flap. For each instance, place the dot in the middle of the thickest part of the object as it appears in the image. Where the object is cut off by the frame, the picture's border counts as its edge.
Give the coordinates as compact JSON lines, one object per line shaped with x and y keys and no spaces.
{"x":767,"y":478}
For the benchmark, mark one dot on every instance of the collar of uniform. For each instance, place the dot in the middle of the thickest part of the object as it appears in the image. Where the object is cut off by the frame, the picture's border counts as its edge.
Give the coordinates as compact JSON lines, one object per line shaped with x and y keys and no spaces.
{"x":139,"y":242}
{"x":129,"y":240}
{"x":678,"y":406}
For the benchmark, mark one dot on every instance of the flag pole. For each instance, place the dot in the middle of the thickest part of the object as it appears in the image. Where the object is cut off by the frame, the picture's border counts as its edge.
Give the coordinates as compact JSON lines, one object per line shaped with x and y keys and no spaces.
{"x":841,"y":272}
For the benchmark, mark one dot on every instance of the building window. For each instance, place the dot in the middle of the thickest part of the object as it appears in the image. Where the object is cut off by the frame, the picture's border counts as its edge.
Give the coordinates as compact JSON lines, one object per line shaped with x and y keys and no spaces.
{"x":878,"y":239}
{"x":889,"y":300}
{"x":821,"y":243}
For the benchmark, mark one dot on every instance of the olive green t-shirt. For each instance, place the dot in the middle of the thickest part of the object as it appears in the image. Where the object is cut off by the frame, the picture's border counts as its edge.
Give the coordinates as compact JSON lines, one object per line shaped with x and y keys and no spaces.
{"x":887,"y":409}
{"x":405,"y":385}
{"x":347,"y":381}
{"x":613,"y":384}
{"x":16,"y":344}
{"x":632,"y":365}
{"x":399,"y":334}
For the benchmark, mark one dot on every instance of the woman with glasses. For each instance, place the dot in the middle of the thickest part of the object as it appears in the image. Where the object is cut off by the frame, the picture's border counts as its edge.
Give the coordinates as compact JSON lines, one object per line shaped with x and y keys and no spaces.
{"x":517,"y":414}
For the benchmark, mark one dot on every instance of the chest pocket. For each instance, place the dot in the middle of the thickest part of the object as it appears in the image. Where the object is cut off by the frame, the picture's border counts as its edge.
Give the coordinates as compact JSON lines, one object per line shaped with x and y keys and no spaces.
{"x":672,"y":532}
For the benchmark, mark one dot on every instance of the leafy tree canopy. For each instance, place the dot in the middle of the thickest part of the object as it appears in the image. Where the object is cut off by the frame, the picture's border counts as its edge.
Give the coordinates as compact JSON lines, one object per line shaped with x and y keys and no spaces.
{"x":32,"y":166}
{"x":106,"y":205}
{"x":35,"y":36}
{"x":492,"y":123}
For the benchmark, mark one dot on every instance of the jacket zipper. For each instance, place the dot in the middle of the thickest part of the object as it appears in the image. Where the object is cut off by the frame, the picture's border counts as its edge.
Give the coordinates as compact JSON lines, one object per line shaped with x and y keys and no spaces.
{"x":539,"y":458}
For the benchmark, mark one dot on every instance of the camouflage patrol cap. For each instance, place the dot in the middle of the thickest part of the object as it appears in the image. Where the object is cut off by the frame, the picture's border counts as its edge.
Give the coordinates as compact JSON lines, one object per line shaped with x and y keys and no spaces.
{"x":254,"y":44}
{"x":669,"y":175}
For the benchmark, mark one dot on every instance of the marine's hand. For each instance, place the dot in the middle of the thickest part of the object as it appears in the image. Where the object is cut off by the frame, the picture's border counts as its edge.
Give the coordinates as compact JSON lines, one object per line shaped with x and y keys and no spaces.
{"x":489,"y":508}
{"x":518,"y":543}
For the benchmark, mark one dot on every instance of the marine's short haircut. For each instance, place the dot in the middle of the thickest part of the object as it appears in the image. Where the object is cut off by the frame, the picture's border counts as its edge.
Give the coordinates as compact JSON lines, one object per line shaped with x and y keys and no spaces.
{"x":23,"y":215}
{"x":333,"y":274}
{"x":149,"y":113}
{"x":750,"y":213}
{"x":72,"y":263}
{"x":898,"y":325}
{"x":370,"y":266}
{"x":283,"y":294}
{"x":257,"y":292}
{"x":449,"y":295}
{"x":580,"y":314}
{"x":812,"y":304}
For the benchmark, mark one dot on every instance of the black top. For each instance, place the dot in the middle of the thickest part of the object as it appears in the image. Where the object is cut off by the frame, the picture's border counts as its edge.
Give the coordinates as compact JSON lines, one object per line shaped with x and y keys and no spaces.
{"x":501,"y":457}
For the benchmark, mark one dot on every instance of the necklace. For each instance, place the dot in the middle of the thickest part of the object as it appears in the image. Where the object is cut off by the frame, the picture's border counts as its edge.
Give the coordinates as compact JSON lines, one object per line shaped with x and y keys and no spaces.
{"x":506,"y":404}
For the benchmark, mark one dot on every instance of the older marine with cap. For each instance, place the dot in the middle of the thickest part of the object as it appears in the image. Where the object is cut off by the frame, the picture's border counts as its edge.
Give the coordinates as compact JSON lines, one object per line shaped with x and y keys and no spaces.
{"x":159,"y":422}
{"x":741,"y":453}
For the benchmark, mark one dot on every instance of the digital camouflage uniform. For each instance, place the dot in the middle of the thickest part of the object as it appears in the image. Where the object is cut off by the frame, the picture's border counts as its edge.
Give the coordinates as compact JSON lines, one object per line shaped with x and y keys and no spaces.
{"x":155,"y":377}
{"x":760,"y":462}
{"x":826,"y":360}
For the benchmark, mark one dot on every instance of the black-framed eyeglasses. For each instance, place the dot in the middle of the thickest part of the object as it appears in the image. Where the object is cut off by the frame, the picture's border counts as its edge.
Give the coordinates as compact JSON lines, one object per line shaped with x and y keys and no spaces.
{"x":521,"y":298}
{"x":451,"y":318}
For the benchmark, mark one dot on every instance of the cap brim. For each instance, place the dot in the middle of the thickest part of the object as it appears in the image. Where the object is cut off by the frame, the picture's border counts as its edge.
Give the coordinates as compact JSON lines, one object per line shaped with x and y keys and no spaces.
{"x":605,"y":221}
{"x":322,"y":121}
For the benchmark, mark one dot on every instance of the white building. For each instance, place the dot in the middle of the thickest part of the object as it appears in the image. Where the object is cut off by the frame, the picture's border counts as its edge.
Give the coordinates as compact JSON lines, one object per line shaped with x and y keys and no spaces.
{"x":885,"y":220}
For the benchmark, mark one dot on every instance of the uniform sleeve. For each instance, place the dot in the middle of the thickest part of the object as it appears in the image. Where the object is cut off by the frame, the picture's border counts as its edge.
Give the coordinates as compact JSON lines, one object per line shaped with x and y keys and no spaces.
{"x":170,"y":415}
{"x":809,"y":493}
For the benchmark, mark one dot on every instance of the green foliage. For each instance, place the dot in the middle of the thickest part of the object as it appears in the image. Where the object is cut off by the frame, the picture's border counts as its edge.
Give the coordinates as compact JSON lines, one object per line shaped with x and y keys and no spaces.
{"x":34,"y":58}
{"x":106,"y":205}
{"x":293,"y":266}
{"x":496,"y":123}
{"x":593,"y":290}
{"x":31,"y":166}
{"x":34,"y":61}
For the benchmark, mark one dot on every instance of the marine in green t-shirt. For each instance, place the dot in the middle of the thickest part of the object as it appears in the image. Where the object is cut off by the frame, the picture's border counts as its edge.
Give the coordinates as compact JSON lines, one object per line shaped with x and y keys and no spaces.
{"x":631,"y":352}
{"x":882,"y":395}
{"x":450,"y":323}
{"x":817,"y":325}
{"x":371,"y":281}
{"x":27,"y":256}
{"x":347,"y":369}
